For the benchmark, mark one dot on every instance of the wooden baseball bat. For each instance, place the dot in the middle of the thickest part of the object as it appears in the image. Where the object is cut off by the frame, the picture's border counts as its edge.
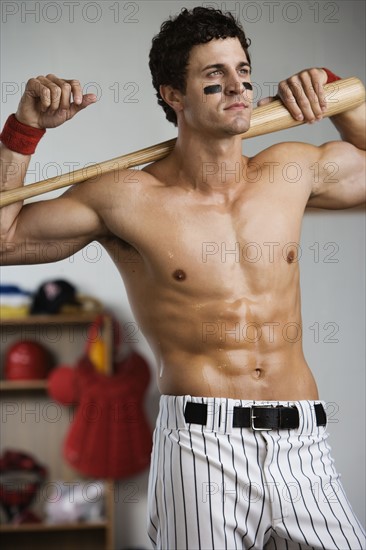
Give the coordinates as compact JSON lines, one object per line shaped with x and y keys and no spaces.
{"x":341,"y":95}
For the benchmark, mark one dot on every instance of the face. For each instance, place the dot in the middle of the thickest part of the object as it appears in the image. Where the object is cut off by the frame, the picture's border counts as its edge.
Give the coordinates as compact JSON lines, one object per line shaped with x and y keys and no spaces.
{"x":217,"y":98}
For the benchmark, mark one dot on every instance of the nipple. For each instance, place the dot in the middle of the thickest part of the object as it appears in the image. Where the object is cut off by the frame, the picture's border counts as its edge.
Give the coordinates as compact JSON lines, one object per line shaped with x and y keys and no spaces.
{"x":179,"y":275}
{"x":290,"y":256}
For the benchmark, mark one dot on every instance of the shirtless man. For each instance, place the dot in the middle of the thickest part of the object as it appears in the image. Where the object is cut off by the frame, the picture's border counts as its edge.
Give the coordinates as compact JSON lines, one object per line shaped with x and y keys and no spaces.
{"x":216,"y":309}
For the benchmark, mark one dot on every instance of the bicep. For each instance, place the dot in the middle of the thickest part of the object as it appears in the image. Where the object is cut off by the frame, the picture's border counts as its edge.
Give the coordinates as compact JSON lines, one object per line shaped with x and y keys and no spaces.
{"x":49,"y":231}
{"x":339,"y":177}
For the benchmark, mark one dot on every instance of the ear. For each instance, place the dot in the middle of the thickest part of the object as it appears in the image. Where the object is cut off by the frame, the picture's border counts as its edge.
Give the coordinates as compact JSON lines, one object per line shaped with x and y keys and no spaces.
{"x":172,"y":96}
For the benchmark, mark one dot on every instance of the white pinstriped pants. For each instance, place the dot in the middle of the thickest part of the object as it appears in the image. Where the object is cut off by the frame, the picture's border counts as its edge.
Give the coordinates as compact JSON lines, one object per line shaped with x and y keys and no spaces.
{"x":219,"y":487}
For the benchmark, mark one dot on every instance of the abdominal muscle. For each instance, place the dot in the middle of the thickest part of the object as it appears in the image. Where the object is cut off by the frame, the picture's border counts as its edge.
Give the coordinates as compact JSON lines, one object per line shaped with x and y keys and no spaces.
{"x":238,"y":373}
{"x":218,"y":348}
{"x":253,"y":377}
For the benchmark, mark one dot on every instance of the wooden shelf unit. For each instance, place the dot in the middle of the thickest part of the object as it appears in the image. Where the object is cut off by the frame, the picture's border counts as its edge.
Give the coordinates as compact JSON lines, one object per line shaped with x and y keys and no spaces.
{"x":29,"y":424}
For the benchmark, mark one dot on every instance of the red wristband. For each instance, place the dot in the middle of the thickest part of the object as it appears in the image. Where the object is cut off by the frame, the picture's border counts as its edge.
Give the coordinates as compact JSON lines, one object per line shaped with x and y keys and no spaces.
{"x":19,"y":137}
{"x":331,"y":76}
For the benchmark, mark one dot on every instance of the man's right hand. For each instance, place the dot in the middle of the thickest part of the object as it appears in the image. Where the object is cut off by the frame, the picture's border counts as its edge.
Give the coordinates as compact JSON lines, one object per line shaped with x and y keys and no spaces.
{"x":49,"y":101}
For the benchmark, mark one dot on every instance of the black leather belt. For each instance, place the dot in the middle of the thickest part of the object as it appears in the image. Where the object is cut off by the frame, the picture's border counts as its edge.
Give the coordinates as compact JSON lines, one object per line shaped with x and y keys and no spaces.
{"x":257,"y":417}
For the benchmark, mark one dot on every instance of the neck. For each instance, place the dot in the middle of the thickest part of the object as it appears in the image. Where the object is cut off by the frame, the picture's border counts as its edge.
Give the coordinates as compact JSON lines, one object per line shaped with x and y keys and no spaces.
{"x":209,"y":164}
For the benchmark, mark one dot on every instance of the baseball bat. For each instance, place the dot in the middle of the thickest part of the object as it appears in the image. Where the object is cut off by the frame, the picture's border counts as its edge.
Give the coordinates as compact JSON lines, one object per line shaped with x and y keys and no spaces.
{"x":341,"y":96}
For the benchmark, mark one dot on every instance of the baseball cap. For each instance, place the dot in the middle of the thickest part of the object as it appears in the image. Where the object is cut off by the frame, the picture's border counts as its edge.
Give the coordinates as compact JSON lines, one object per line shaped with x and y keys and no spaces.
{"x":52,"y":296}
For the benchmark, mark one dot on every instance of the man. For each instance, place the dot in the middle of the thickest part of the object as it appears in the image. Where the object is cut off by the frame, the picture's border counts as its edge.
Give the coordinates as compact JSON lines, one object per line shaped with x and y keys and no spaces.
{"x":240,"y":456}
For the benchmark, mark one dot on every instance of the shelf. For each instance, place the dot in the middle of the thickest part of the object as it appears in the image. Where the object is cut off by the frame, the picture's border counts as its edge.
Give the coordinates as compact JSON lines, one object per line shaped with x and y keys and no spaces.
{"x":64,"y":318}
{"x":23,"y":385}
{"x":24,"y":527}
{"x":38,"y":426}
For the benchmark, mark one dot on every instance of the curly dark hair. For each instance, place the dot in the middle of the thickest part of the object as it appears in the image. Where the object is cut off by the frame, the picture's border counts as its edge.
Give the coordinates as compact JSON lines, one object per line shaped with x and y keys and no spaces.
{"x":170,"y":49}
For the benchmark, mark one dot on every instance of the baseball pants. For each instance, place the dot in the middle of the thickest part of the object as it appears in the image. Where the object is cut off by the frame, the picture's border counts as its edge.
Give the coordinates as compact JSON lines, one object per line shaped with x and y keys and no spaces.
{"x":216,"y":486}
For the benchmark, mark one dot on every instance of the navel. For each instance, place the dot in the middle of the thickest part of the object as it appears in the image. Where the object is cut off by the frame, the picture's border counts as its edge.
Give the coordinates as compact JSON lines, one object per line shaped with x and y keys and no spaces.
{"x":179,"y":275}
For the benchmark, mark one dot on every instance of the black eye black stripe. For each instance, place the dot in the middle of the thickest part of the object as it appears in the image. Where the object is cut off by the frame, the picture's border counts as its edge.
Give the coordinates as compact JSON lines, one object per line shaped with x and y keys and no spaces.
{"x":217,"y":88}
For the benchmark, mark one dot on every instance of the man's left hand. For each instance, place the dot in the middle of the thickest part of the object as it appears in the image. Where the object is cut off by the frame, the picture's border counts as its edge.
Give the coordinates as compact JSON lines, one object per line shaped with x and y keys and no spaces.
{"x":303,"y":95}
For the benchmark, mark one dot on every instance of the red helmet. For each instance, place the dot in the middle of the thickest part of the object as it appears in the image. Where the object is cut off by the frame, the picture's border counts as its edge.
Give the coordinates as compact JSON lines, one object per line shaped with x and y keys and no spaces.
{"x":26,"y":360}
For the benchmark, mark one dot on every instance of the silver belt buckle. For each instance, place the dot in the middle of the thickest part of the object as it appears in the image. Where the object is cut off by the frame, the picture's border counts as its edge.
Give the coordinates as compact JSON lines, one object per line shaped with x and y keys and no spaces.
{"x":253,"y":417}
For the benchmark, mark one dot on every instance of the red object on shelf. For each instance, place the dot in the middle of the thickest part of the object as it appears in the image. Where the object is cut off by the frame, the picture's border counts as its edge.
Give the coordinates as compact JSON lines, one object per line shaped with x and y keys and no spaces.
{"x":27,"y":360}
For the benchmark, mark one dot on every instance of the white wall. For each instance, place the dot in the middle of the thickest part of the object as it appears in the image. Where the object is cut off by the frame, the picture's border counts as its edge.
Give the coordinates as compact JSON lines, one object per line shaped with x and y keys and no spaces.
{"x":105,"y":45}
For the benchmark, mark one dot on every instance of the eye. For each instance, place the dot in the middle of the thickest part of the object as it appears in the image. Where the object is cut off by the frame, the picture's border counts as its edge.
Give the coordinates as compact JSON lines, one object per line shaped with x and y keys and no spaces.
{"x":215,"y":73}
{"x":245,"y":71}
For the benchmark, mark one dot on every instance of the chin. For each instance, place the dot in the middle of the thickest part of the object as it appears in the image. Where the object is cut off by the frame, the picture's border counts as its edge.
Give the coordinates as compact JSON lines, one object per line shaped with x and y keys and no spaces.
{"x":238,"y":128}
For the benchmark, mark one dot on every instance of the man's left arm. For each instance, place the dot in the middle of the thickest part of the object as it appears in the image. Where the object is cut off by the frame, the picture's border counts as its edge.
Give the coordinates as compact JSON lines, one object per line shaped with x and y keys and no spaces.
{"x":338,"y":168}
{"x":341,"y":181}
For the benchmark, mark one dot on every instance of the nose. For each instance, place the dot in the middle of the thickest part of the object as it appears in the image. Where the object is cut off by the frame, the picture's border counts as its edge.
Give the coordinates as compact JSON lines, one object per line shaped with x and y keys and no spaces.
{"x":234,"y":88}
{"x":234,"y":84}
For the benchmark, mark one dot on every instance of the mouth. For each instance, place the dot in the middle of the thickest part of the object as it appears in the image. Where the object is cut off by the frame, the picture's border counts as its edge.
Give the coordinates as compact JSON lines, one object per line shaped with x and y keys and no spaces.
{"x":236,"y":107}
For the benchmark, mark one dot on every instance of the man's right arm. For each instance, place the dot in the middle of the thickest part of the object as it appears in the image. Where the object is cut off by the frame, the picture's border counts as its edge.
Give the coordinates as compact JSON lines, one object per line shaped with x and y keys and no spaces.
{"x":47,"y":230}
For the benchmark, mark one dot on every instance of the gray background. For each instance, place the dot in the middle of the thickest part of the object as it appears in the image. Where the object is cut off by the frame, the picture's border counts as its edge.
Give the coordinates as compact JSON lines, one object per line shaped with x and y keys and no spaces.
{"x":106,"y":45}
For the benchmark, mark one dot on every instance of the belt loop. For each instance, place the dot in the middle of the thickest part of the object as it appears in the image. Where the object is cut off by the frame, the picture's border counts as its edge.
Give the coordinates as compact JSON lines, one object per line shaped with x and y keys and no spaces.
{"x":225,"y":417}
{"x":213,"y":410}
{"x":217,"y":415}
{"x":229,"y":416}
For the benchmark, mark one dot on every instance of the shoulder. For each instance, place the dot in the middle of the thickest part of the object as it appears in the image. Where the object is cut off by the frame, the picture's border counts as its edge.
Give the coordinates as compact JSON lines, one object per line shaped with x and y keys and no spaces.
{"x":117,"y":201}
{"x":288,"y":151}
{"x":107,"y":189}
{"x":288,"y":160}
{"x":308,"y":156}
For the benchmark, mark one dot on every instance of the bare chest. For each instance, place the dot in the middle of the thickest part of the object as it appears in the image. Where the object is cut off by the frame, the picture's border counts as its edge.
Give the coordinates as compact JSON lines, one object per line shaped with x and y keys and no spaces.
{"x":212,"y":247}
